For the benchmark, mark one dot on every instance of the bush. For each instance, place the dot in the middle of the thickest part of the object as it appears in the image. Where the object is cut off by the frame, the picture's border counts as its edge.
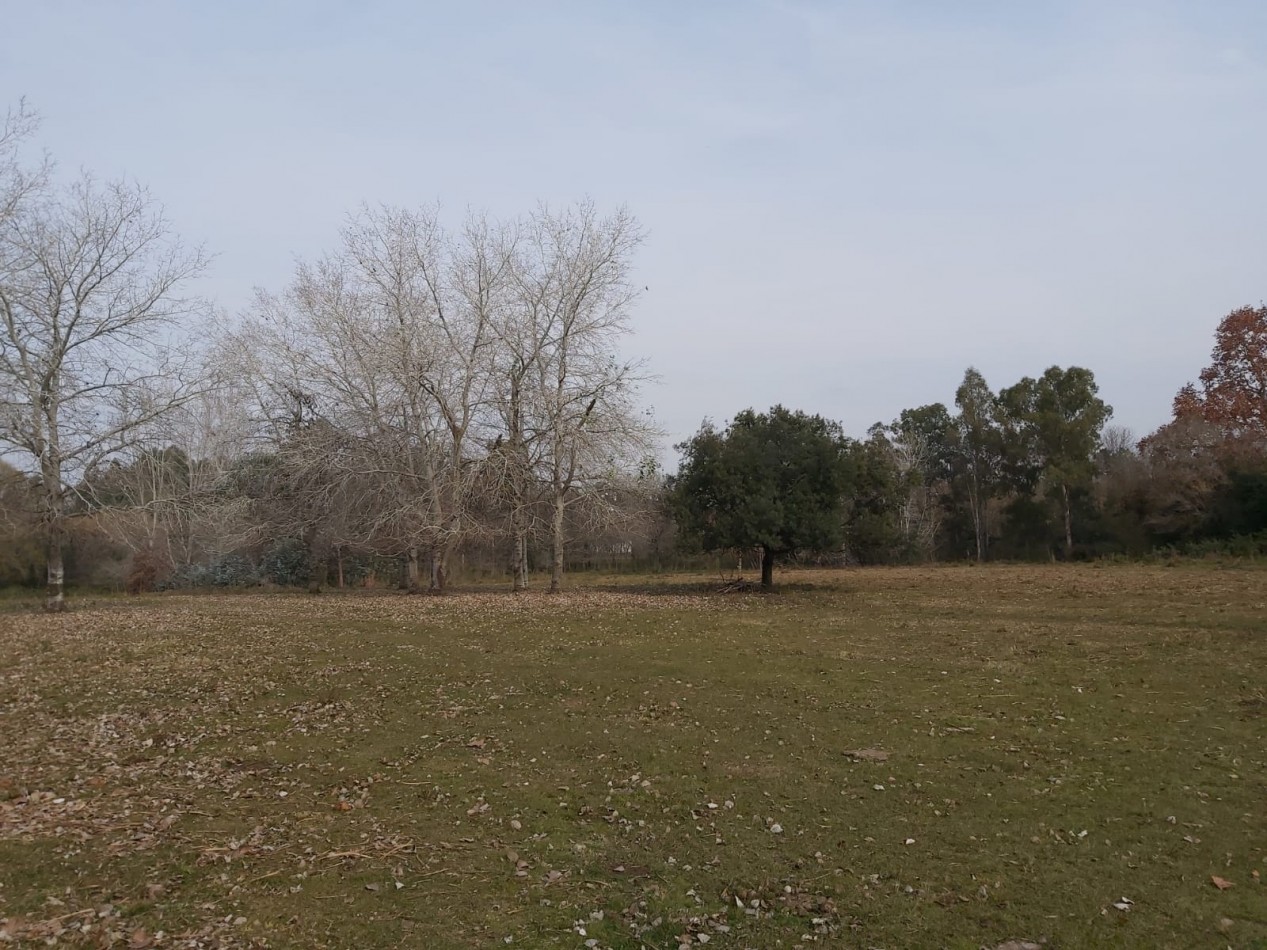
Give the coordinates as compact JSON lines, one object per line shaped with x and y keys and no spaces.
{"x":229,"y":570}
{"x":285,"y":563}
{"x":144,"y":572}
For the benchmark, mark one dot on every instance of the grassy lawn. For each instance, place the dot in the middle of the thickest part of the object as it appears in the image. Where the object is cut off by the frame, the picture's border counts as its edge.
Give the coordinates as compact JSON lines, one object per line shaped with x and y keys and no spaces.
{"x":1073,"y":755}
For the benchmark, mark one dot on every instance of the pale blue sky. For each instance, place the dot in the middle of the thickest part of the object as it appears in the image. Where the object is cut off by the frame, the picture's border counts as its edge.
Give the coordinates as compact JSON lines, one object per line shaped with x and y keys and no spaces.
{"x":846,"y":203}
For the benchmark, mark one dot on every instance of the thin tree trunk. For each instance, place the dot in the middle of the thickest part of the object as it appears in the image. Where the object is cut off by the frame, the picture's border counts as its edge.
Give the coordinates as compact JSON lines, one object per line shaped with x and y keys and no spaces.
{"x":339,"y":560}
{"x":767,"y":568}
{"x":556,"y":540}
{"x":978,"y":516}
{"x":519,"y":488}
{"x":1068,"y":524}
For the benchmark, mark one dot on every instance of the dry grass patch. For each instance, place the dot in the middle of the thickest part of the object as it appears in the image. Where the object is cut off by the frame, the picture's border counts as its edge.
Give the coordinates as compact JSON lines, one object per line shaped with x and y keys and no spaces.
{"x":924,"y":757}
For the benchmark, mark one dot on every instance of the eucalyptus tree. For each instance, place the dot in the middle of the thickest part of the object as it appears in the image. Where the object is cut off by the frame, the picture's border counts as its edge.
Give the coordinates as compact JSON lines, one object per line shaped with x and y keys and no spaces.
{"x":979,"y":451}
{"x":1056,"y":423}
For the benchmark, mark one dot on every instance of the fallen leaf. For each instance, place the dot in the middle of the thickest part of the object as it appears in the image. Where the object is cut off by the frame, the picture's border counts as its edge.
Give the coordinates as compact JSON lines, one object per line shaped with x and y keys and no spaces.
{"x":1221,"y":883}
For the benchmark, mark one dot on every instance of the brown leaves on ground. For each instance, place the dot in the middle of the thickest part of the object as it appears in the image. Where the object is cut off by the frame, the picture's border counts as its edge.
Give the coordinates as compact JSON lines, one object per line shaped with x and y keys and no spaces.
{"x":383,"y":771}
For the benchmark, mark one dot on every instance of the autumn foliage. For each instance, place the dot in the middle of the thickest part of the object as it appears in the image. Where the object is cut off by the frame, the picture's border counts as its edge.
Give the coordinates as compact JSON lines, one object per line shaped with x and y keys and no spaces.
{"x":1232,"y":395}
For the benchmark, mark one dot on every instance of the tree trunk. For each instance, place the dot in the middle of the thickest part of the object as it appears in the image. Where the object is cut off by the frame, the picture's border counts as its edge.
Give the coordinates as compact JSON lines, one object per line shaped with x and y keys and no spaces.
{"x":56,"y":599}
{"x":978,"y":515}
{"x":767,"y":568}
{"x":411,"y":570}
{"x":339,"y":560}
{"x":556,"y":541}
{"x":55,"y":528}
{"x":519,"y":560}
{"x":1064,"y":489}
{"x":519,"y":491}
{"x":438,"y":571}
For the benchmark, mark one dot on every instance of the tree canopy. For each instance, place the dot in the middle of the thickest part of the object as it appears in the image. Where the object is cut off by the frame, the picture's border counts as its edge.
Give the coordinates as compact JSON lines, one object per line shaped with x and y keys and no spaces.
{"x":774,"y":480}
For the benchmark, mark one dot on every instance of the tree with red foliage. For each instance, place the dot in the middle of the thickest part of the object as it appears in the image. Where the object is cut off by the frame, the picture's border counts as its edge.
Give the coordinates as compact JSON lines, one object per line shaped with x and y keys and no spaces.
{"x":1232,"y":395}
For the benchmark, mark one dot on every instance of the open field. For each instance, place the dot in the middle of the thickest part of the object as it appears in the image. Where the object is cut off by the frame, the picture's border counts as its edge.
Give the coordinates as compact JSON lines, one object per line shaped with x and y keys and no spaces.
{"x":645,"y":768}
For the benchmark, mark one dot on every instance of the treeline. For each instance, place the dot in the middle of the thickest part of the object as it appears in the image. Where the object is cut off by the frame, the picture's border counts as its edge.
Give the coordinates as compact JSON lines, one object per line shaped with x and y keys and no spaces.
{"x":421,"y":402}
{"x":416,"y":400}
{"x":1032,"y":471}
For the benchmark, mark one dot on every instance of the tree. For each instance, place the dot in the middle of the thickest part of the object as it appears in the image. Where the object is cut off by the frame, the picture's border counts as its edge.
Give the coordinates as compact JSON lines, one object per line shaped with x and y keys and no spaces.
{"x":572,"y":276}
{"x":91,"y":299}
{"x":978,"y":451}
{"x":421,"y":377}
{"x":1054,"y":423}
{"x":921,"y":442}
{"x":878,"y":494}
{"x":1233,"y":389}
{"x":773,"y":480}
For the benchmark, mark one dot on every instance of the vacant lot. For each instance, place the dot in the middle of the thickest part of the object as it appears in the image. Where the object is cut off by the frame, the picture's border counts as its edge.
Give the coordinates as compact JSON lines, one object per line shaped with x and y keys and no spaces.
{"x":889,"y":758}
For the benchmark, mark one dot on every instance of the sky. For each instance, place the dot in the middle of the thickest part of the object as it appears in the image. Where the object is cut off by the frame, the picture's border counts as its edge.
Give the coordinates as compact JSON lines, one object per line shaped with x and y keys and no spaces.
{"x":845,"y":204}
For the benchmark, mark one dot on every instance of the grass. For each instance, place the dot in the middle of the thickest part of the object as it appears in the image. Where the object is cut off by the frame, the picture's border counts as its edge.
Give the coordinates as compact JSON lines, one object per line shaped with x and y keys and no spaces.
{"x":646,"y":769}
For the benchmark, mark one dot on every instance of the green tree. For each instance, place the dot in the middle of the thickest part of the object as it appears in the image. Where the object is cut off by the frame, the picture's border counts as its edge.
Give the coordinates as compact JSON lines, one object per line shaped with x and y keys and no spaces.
{"x":773,"y":480}
{"x":979,"y":451}
{"x":873,"y":532}
{"x":1054,"y":425}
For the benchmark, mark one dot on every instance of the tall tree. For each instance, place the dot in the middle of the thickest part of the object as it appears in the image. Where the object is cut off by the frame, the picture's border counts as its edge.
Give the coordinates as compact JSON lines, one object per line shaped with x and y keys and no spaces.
{"x":1231,"y":395}
{"x":978,"y":451}
{"x":1056,"y":422}
{"x":773,"y":480}
{"x":573,"y":279}
{"x":92,"y":297}
{"x":922,"y":446}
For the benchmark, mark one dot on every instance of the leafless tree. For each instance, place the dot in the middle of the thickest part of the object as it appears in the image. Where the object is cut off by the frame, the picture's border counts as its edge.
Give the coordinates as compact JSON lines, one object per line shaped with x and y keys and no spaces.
{"x":92,"y":291}
{"x":919,"y":514}
{"x":574,"y":300}
{"x":166,"y":499}
{"x":430,"y":378}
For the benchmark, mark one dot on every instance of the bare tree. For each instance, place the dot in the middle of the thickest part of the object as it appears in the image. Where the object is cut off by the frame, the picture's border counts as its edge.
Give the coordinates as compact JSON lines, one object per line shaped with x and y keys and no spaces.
{"x":91,"y":283}
{"x":575,"y":295}
{"x":428,"y":378}
{"x":166,"y":498}
{"x":388,"y":343}
{"x":919,"y":515}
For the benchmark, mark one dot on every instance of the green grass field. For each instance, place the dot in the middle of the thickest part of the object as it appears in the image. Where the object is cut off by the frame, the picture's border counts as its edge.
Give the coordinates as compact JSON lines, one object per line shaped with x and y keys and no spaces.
{"x":951,"y":757}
